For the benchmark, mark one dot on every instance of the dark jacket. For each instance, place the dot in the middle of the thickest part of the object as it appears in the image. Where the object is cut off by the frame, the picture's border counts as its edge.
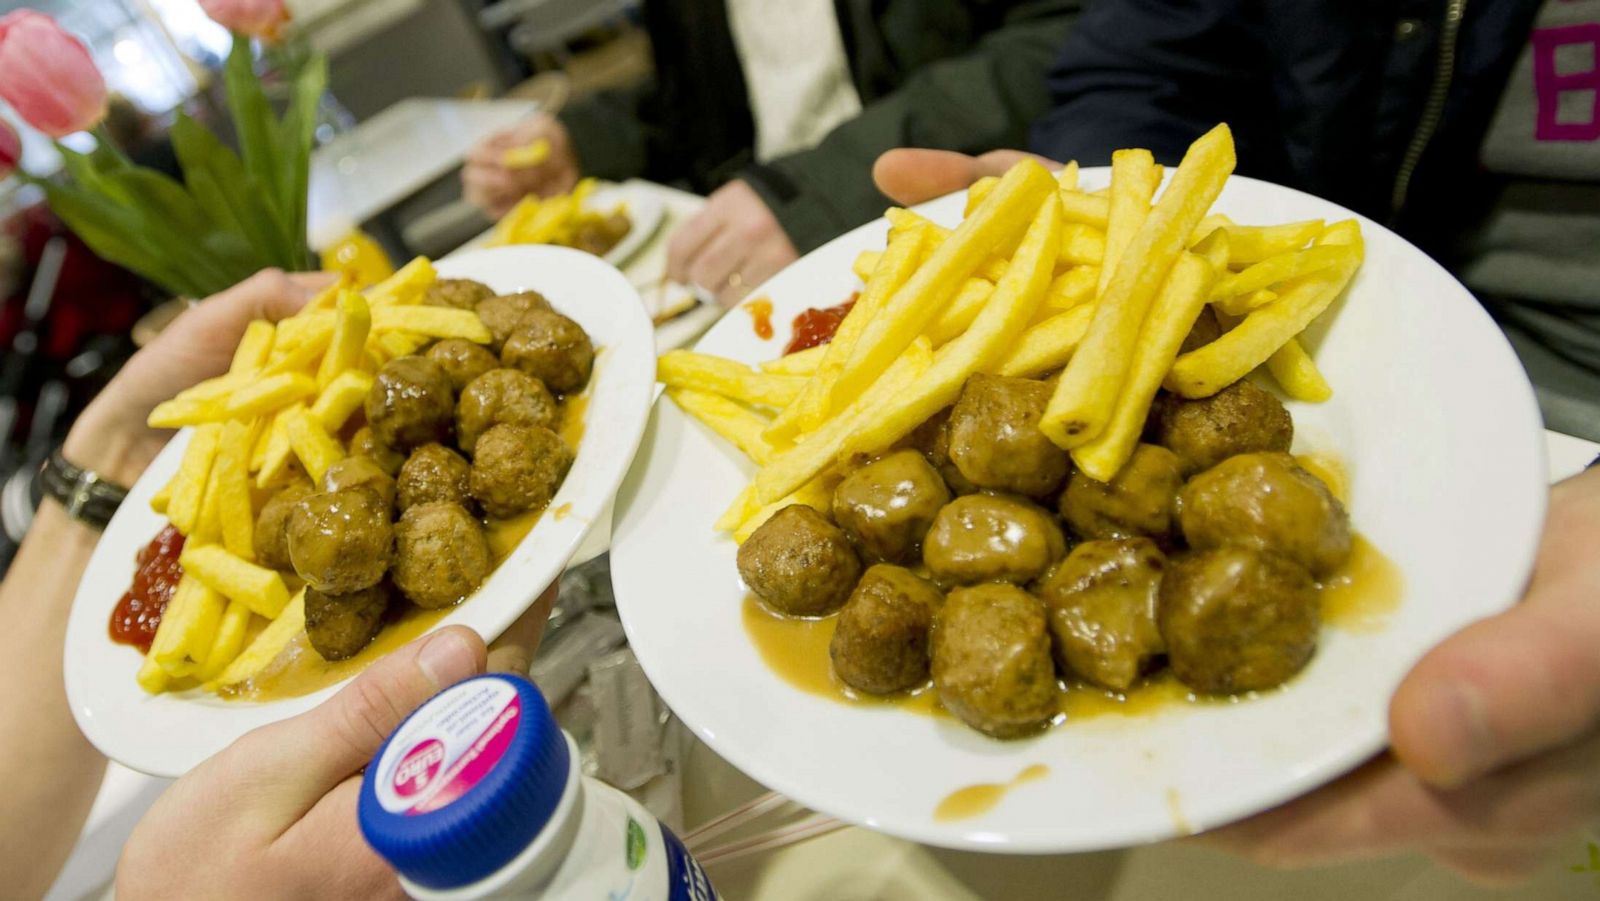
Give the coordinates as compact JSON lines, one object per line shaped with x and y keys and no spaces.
{"x":1329,"y":96}
{"x":950,"y":74}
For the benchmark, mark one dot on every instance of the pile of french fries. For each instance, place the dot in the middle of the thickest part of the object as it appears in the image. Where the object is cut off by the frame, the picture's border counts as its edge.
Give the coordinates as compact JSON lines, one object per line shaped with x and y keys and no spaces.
{"x":281,"y":407}
{"x":549,"y":220}
{"x":1039,"y":277}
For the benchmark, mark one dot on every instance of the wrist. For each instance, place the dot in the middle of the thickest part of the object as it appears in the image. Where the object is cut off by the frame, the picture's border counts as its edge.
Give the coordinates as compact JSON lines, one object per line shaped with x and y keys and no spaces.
{"x":108,"y":446}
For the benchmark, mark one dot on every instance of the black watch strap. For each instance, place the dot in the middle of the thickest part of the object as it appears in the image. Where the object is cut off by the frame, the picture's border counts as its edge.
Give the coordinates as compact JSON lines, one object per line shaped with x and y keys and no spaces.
{"x":87,"y":498}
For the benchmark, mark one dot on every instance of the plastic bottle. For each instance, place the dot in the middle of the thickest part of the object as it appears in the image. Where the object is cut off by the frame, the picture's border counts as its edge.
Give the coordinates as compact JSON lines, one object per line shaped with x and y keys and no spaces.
{"x":478,"y":795}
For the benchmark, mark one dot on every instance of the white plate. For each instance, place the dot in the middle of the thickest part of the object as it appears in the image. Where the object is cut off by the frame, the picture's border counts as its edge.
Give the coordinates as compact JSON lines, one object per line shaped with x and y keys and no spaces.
{"x":1436,"y":423}
{"x":645,"y":211}
{"x":166,"y":735}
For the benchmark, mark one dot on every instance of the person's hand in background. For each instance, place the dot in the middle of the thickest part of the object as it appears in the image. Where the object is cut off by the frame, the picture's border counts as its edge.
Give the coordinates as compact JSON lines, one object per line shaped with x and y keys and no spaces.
{"x":274,"y":815}
{"x":1495,"y":732}
{"x":492,"y":186}
{"x":731,"y":246}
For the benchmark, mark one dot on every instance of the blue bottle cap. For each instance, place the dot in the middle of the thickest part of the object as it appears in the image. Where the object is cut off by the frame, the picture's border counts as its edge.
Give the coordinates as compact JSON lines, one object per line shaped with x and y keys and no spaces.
{"x":466,"y":783}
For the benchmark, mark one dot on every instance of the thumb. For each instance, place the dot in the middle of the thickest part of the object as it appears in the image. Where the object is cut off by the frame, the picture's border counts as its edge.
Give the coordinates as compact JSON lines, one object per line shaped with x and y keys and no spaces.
{"x":910,"y":176}
{"x":308,"y":755}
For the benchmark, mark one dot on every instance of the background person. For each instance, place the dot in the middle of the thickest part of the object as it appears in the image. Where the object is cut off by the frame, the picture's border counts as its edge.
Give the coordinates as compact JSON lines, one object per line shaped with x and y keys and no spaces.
{"x":777,"y":110}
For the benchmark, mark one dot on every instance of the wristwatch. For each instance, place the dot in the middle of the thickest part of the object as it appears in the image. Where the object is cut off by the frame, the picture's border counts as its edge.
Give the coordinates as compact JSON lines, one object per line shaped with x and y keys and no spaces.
{"x":87,"y":498}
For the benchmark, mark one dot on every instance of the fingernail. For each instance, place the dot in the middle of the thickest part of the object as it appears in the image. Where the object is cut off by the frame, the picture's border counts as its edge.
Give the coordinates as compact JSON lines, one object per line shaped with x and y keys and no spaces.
{"x":1469,"y":743}
{"x":448,"y":658}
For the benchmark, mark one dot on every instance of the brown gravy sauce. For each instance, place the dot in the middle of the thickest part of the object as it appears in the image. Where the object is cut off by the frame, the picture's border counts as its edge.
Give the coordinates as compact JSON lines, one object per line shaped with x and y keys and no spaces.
{"x":975,"y":800}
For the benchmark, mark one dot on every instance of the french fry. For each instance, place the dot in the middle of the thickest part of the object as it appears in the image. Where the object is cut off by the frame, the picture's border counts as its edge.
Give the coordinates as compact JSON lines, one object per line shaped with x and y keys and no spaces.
{"x":1072,"y":288}
{"x":188,"y":626}
{"x":405,"y":286}
{"x":1251,"y":244}
{"x":527,"y":156}
{"x":1067,"y":177}
{"x":271,"y":641}
{"x":1082,"y":245}
{"x":801,"y":463}
{"x":1048,"y":345}
{"x":903,"y":221}
{"x":254,"y":347}
{"x":803,"y":362}
{"x":1089,"y":209}
{"x":1171,"y":317}
{"x":229,"y":639}
{"x":958,"y":316}
{"x":180,"y":412}
{"x":1133,"y":183}
{"x":208,"y":528}
{"x":1242,"y":304}
{"x":160,"y":500}
{"x":216,"y":387}
{"x":341,"y":399}
{"x":816,"y":494}
{"x":1005,"y":214}
{"x":393,"y":345}
{"x":189,"y":485}
{"x":978,"y":190}
{"x":1209,"y":369}
{"x":1213,"y":248}
{"x":1086,"y":395}
{"x":316,"y":449}
{"x":865,"y":262}
{"x":743,"y":507}
{"x":152,"y":678}
{"x":982,"y":348}
{"x":303,"y":328}
{"x":232,"y":471}
{"x":236,"y":579}
{"x":1297,"y":374}
{"x":276,"y":454}
{"x":702,"y":372}
{"x":349,"y":340}
{"x":434,"y":322}
{"x":1280,"y":268}
{"x":741,"y":427}
{"x":899,"y":260}
{"x":1209,"y":224}
{"x":302,"y":359}
{"x":269,"y":394}
{"x":506,"y":230}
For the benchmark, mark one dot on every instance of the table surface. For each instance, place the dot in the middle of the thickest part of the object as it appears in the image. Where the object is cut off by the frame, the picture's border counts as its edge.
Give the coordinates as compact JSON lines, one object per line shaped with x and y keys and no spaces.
{"x":392,"y":155}
{"x":856,"y":863}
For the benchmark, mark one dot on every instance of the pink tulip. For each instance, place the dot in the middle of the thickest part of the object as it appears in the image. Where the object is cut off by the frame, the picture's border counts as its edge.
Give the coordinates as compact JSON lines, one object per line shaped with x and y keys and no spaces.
{"x":256,"y":18}
{"x":10,"y":149}
{"x":47,"y":75}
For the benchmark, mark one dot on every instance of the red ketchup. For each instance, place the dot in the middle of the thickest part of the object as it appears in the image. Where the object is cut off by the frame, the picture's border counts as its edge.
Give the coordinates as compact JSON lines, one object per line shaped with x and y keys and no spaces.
{"x":816,"y":326}
{"x":137,"y":615}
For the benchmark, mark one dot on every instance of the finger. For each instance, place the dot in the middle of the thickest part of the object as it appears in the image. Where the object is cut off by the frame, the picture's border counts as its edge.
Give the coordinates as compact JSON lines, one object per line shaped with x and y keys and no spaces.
{"x":910,"y":176}
{"x":513,"y":651}
{"x":717,"y":262}
{"x":1492,"y":867}
{"x":313,"y":282}
{"x":329,"y":854}
{"x":1519,"y":682}
{"x":304,"y":757}
{"x":689,"y":240}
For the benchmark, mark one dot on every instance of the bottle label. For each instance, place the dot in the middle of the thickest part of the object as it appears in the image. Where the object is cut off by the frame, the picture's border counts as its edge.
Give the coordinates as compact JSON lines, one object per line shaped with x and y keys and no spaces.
{"x":685,"y":880}
{"x":448,"y":747}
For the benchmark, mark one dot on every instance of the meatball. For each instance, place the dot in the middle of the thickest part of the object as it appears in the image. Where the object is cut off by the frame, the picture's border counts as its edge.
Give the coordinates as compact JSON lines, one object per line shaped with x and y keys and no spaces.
{"x":366,"y":444}
{"x":462,"y":361}
{"x":461,"y":293}
{"x":410,"y":403}
{"x":340,"y":625}
{"x":989,"y":538}
{"x":881,"y":643}
{"x":435,"y":473}
{"x":360,"y":472}
{"x":503,"y":314}
{"x":441,"y":555}
{"x":1239,"y":419}
{"x":932,"y":438}
{"x":502,"y":396}
{"x":798,"y":563}
{"x":518,"y":468}
{"x":340,"y":541}
{"x":551,"y":348}
{"x":1266,"y":502}
{"x":272,"y":525}
{"x":991,"y":660}
{"x":1102,"y":602}
{"x":995,"y":439}
{"x":886,"y":506}
{"x":1235,"y":619}
{"x":1138,"y":501}
{"x":1205,"y":330}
